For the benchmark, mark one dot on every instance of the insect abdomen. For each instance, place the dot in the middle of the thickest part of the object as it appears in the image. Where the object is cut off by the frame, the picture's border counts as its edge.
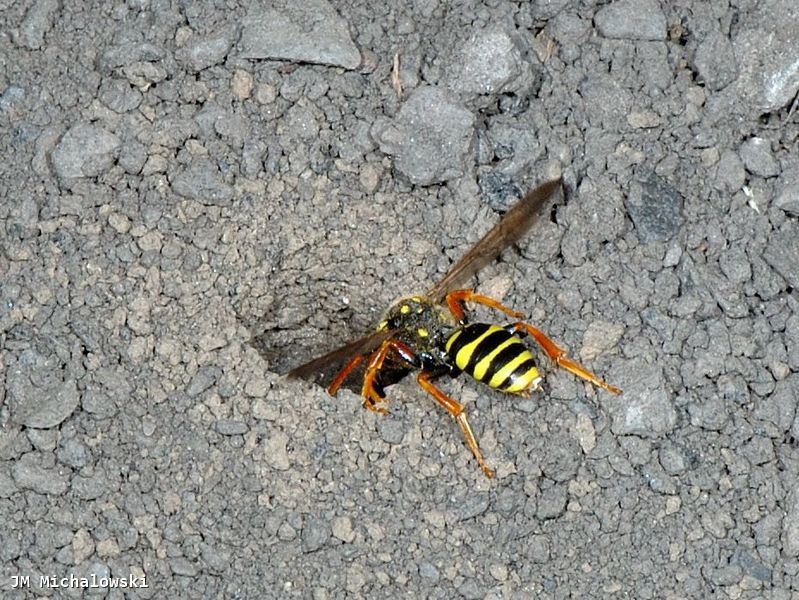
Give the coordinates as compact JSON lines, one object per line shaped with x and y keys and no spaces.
{"x":493,"y":356}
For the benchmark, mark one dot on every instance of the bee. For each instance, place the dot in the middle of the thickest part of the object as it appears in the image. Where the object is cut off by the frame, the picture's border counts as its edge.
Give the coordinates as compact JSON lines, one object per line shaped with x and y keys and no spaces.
{"x":431,"y":334}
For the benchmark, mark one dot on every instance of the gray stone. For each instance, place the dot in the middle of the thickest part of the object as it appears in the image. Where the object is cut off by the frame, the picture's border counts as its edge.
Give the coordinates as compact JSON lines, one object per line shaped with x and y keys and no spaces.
{"x":201,"y":53}
{"x":655,"y":208}
{"x":787,"y":193}
{"x":792,"y":345}
{"x":217,"y":561}
{"x":431,"y":137}
{"x":758,"y":451}
{"x":790,"y":524}
{"x":672,"y":458}
{"x":766,"y":52}
{"x":607,"y":103}
{"x":7,"y":486}
{"x":119,"y":96}
{"x":129,"y":53}
{"x":561,"y":461}
{"x":41,"y":407}
{"x":97,"y":401}
{"x":85,"y":151}
{"x":489,"y":62}
{"x":551,"y":503}
{"x":73,"y":453}
{"x":182,"y":566}
{"x":315,"y":534}
{"x":301,"y":122}
{"x":725,"y":575}
{"x":234,"y":128}
{"x":658,"y":480}
{"x":570,"y":30}
{"x":202,"y":380}
{"x":342,"y":529}
{"x":538,"y":548}
{"x":757,"y":157}
{"x":782,"y":252}
{"x":472,"y":505}
{"x":546,"y":9}
{"x":515,"y":146}
{"x":94,"y":571}
{"x":231,"y":427}
{"x":632,"y":20}
{"x":730,"y":173}
{"x":715,"y":60}
{"x":25,"y":216}
{"x":143,"y":74}
{"x":37,"y":22}
{"x":92,"y":487}
{"x":207,"y":117}
{"x":429,"y":572}
{"x":599,"y":337}
{"x":735,"y":264}
{"x":644,"y":408}
{"x":286,"y":532}
{"x":252,"y":156}
{"x":202,"y":182}
{"x":391,"y":430}
{"x":498,"y":190}
{"x":709,"y":414}
{"x":132,"y":157}
{"x":309,"y":31}
{"x":276,"y":452}
{"x":42,"y":439}
{"x":29,"y":473}
{"x":12,"y":96}
{"x":471,"y":590}
{"x":751,"y":566}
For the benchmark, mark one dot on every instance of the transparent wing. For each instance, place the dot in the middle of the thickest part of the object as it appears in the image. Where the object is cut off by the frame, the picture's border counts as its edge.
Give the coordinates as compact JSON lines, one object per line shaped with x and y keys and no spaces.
{"x":510,"y":228}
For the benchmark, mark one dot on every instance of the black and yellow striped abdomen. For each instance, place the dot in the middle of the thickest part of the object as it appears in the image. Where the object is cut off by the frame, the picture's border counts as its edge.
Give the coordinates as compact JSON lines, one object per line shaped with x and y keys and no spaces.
{"x":493,"y":356}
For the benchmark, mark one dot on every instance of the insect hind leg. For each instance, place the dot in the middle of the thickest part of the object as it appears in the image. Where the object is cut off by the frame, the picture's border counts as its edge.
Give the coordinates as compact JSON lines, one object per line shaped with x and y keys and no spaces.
{"x":455,"y":408}
{"x":558,"y":356}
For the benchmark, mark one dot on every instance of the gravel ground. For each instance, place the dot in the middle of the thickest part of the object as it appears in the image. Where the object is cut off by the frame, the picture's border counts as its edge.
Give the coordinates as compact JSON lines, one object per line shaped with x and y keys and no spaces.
{"x":196,"y":197}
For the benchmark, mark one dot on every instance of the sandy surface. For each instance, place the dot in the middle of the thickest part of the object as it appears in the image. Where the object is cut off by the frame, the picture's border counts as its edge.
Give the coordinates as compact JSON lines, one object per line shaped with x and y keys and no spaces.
{"x":197,"y":197}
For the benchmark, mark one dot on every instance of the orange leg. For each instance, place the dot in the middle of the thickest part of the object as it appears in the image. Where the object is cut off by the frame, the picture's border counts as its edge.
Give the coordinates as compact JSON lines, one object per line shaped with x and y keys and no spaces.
{"x":342,"y":375}
{"x":376,"y":360}
{"x":558,"y":356}
{"x":455,"y":408}
{"x":456,"y":298}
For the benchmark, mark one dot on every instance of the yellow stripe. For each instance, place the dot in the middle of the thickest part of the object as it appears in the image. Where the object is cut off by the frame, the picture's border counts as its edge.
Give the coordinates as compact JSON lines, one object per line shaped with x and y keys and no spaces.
{"x":509,"y":367}
{"x":530,"y":379}
{"x":465,"y":353}
{"x":452,"y":339}
{"x":481,"y":367}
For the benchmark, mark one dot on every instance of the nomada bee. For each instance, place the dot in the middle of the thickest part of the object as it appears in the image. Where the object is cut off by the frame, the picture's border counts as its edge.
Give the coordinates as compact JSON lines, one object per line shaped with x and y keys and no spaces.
{"x":431,"y":334}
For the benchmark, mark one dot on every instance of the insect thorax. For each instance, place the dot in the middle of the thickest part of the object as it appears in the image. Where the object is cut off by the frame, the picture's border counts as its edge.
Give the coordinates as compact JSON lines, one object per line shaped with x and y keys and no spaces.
{"x":424,"y":325}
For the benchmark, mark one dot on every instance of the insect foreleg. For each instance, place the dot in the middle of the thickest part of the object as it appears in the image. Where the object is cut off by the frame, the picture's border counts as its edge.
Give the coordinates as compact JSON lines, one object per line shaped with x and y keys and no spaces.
{"x":370,"y":394}
{"x":342,"y":375}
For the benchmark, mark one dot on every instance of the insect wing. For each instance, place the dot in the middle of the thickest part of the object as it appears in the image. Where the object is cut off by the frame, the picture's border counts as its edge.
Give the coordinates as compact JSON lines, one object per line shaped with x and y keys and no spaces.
{"x":340,"y":355}
{"x":510,"y":228}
